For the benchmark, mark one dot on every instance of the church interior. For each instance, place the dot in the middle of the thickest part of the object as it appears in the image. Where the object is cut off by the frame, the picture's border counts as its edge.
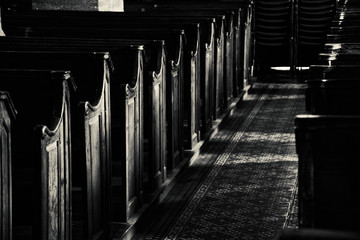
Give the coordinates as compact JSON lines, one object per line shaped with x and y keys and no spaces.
{"x":186,"y":120}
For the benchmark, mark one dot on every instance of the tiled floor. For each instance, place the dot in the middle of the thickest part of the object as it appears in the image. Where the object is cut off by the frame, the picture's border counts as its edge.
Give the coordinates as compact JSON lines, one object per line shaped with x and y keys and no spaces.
{"x":243,"y":184}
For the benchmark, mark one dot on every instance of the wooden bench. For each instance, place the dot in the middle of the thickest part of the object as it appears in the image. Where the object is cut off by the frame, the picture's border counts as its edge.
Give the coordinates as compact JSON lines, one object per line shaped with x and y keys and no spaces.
{"x":126,"y":110}
{"x":174,"y":39}
{"x":333,"y":96}
{"x":91,"y":117}
{"x":174,"y":83}
{"x":317,"y":234}
{"x":333,"y":59}
{"x":334,"y":72}
{"x":224,"y":50}
{"x":7,"y":117}
{"x":111,"y":20}
{"x":41,"y":152}
{"x":243,"y":23}
{"x":327,"y":148}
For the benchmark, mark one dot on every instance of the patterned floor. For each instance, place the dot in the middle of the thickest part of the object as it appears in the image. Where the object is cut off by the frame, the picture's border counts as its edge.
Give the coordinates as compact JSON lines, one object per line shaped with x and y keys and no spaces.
{"x":243,"y":185}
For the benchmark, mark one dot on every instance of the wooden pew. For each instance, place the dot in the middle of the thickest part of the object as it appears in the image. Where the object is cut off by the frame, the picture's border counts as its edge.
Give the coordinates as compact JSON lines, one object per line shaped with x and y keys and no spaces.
{"x":242,"y":9}
{"x":126,"y":111}
{"x":30,"y":22}
{"x":327,"y":147}
{"x":317,"y":234}
{"x":117,"y":21}
{"x":331,"y":72}
{"x":174,"y":39}
{"x":41,"y":151}
{"x":91,"y":117}
{"x":7,"y":117}
{"x":224,"y":50}
{"x":334,"y":59}
{"x":332,"y":87}
{"x":333,"y":96}
{"x":174,"y":134}
{"x":243,"y":23}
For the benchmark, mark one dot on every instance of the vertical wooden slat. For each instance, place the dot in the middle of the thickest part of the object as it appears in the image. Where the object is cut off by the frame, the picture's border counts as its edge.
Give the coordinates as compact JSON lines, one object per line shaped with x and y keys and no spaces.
{"x":7,"y":114}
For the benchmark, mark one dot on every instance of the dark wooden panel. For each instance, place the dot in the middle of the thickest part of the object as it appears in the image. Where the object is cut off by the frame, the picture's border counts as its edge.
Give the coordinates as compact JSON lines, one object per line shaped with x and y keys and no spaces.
{"x":249,"y":50}
{"x":327,"y":147}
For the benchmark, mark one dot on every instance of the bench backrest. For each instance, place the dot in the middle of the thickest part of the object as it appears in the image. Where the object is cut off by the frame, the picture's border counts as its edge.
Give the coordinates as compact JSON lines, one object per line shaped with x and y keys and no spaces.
{"x":334,"y":72}
{"x":333,"y":96}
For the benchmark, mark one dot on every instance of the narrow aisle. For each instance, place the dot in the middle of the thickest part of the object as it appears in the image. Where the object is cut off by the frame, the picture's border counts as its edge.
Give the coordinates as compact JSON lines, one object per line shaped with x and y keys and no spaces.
{"x":242,"y":186}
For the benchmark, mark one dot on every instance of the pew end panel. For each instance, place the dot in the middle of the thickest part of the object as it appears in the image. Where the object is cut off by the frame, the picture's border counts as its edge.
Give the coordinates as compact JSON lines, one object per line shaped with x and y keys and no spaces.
{"x":97,"y":166}
{"x":192,"y":105}
{"x":53,"y":147}
{"x":155,"y":126}
{"x":127,"y":136}
{"x":207,"y":76}
{"x":327,"y":146}
{"x":41,"y":205}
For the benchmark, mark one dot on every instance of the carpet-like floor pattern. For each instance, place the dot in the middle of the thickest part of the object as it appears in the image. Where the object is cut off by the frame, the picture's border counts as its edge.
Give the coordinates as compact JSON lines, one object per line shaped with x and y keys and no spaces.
{"x":243,"y":185}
